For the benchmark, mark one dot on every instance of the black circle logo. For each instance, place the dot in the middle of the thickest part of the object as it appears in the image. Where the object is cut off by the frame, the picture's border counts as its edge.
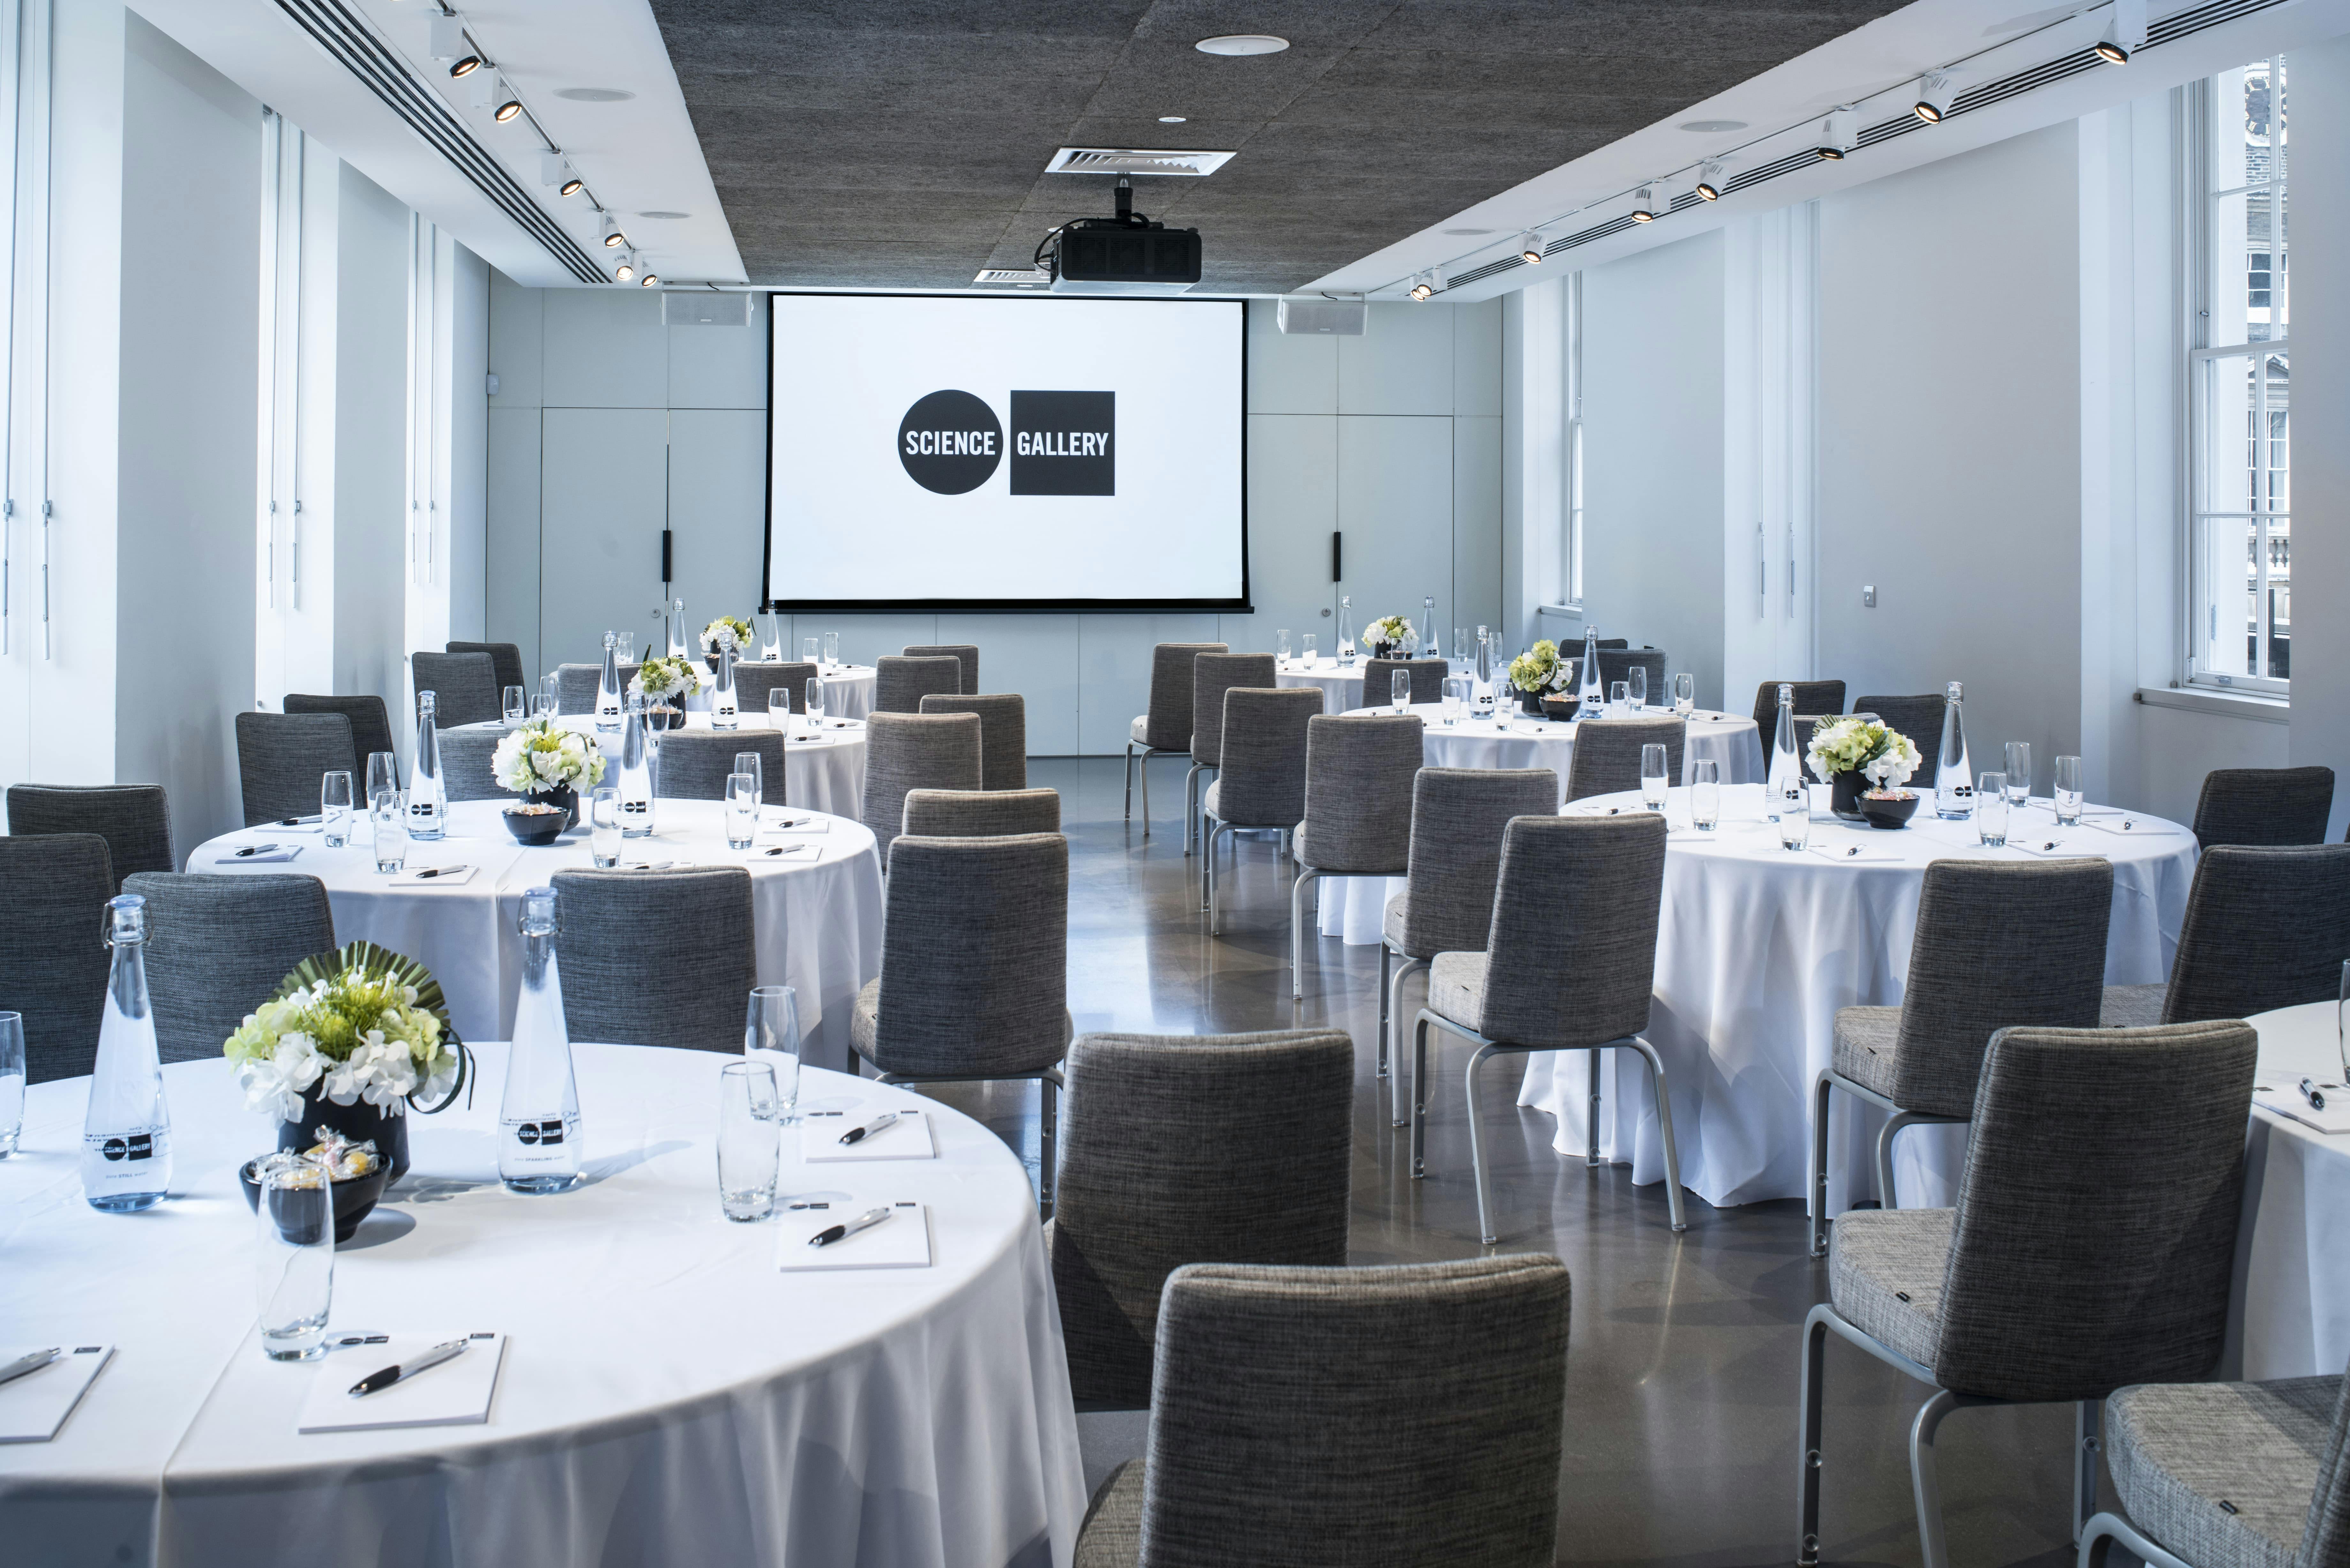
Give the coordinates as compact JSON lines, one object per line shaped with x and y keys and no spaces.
{"x":527,"y":1132}
{"x":949,"y":442}
{"x":114,"y":1149}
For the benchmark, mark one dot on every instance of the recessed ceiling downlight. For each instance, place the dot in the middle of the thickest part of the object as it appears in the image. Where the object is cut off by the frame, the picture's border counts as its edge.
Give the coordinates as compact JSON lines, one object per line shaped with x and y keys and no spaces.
{"x":1468,"y":230}
{"x":1243,"y":43}
{"x":665,"y":217}
{"x":594,"y":95}
{"x":1709,"y":127}
{"x":1172,"y":118}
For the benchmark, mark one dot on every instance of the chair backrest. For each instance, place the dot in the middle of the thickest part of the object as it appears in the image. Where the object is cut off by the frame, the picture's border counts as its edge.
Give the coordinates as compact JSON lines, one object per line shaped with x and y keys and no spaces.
{"x":975,"y":956}
{"x":2263,"y":806}
{"x":576,"y":684}
{"x":1408,"y":1414}
{"x":1167,"y":727}
{"x":907,"y":751}
{"x":1459,"y":817}
{"x":281,"y":757}
{"x":466,"y":685}
{"x":1426,"y":680}
{"x":371,"y":724}
{"x":53,"y":892}
{"x":899,"y":683}
{"x":1618,"y":664}
{"x":1606,"y":757}
{"x":2096,"y":1229}
{"x":1810,"y":697}
{"x":1918,"y":719}
{"x":2265,"y":928}
{"x":982,"y":813}
{"x":694,"y":763}
{"x":466,"y":766}
{"x":618,"y":990}
{"x":1228,"y":1149}
{"x":218,"y":946}
{"x":754,"y":682}
{"x":964,"y":653}
{"x":1571,"y":959}
{"x":2325,"y":1535}
{"x":1261,"y":777}
{"x":1358,"y":788}
{"x":1997,"y":945}
{"x":135,"y":820}
{"x":506,"y":663}
{"x":1002,"y":734}
{"x":1212,"y":675}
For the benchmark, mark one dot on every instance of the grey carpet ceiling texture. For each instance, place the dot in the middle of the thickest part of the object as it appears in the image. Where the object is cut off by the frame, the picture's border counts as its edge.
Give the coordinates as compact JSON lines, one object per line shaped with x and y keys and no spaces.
{"x":904,"y":142}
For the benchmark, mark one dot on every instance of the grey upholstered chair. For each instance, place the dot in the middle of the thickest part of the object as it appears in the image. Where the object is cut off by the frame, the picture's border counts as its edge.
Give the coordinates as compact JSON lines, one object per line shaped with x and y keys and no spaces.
{"x":906,"y":752}
{"x":466,"y":773}
{"x":135,"y":820}
{"x":754,"y":683}
{"x":281,"y":757}
{"x":1166,"y":728}
{"x":981,"y":813}
{"x":1261,"y":785}
{"x":899,"y":683}
{"x":1810,"y":697}
{"x":964,"y":653}
{"x":1918,"y":718}
{"x":1357,"y":821}
{"x":53,"y":890}
{"x":1459,"y":817}
{"x":2091,"y":1247}
{"x":2228,"y":1475}
{"x":576,"y":684}
{"x":1606,"y":757}
{"x":1569,"y":964}
{"x":219,"y":945}
{"x":1232,"y":1148}
{"x":1212,"y":675}
{"x":506,"y":663}
{"x":1426,"y":680}
{"x":694,"y":994}
{"x":1002,"y":734}
{"x":1618,"y":664}
{"x":2264,"y":928}
{"x":370,"y":725}
{"x":1396,"y":1415}
{"x":694,"y":763}
{"x":974,"y":982}
{"x":2263,"y":806}
{"x":467,"y":685}
{"x":1997,"y":945}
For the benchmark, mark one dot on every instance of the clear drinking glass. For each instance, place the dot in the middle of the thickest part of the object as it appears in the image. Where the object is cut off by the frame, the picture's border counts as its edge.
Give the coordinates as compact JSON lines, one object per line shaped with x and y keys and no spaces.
{"x":771,"y":1033}
{"x":779,"y":708}
{"x":2019,"y":773}
{"x":335,"y":808}
{"x":1705,"y":794}
{"x":604,"y":826}
{"x":1619,"y":694}
{"x":748,"y":763}
{"x":1281,"y":645}
{"x":1794,"y":829}
{"x":742,"y":810}
{"x":1637,"y":678}
{"x":1456,"y":697}
{"x":807,"y":650}
{"x":749,"y":1141}
{"x":814,"y":700}
{"x":1991,"y":809}
{"x":542,"y":706}
{"x":295,"y":1227}
{"x":383,"y":774}
{"x":1684,"y":694}
{"x":832,"y":648}
{"x":2340,"y":1042}
{"x":1306,"y":644}
{"x":513,"y":706}
{"x":1399,"y":690}
{"x":550,"y":694}
{"x":11,"y":1080}
{"x":388,"y":813}
{"x":1653,"y":780}
{"x":2068,"y":791}
{"x":1460,"y":652}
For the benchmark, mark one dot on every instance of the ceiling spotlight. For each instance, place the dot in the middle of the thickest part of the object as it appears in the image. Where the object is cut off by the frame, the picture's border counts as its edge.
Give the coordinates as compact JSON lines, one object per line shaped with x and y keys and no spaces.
{"x":510,"y":109}
{"x":1529,"y":248}
{"x":2125,"y":33}
{"x":466,"y":66}
{"x":1422,"y":289}
{"x":1646,"y":206}
{"x":613,"y":237}
{"x":1243,"y":43}
{"x":1172,"y":118}
{"x":1836,"y":136}
{"x":647,"y":281}
{"x":1708,"y":182}
{"x":573,"y":186}
{"x":1933,"y":105}
{"x":627,"y":271}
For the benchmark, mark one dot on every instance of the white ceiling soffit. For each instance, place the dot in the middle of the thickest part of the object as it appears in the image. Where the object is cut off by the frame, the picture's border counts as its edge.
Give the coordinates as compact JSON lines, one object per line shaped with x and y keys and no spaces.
{"x":1876,"y":70}
{"x":480,"y":181}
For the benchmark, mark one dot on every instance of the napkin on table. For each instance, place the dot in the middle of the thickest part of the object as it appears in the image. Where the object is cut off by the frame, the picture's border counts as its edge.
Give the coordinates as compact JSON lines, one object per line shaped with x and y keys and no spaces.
{"x":900,"y":1242}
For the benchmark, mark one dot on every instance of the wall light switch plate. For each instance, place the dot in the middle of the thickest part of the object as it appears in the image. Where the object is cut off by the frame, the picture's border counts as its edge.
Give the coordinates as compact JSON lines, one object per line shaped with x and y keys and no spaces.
{"x":1868,"y":597}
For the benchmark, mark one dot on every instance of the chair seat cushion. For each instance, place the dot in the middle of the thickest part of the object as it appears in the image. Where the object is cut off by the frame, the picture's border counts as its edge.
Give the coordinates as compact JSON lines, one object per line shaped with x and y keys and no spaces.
{"x":1868,"y":1041}
{"x":1885,"y":1275}
{"x":1392,"y":924}
{"x":2177,"y":1450}
{"x":1209,"y":800}
{"x":1456,"y":988}
{"x":1139,"y":730}
{"x":865,"y":1024}
{"x":2132,"y":1006}
{"x":1111,"y":1536}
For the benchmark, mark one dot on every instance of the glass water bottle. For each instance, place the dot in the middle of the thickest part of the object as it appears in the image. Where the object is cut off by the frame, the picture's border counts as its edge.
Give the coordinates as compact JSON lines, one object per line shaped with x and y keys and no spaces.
{"x":677,"y":629}
{"x":428,"y":797}
{"x":1432,"y":645}
{"x":1954,"y":781}
{"x":607,"y":685}
{"x":1590,"y":691}
{"x":724,"y":713}
{"x":636,"y":781}
{"x":538,"y":1118}
{"x":126,"y":1134}
{"x":1481,"y":691}
{"x":1784,"y":792}
{"x":1346,"y":632}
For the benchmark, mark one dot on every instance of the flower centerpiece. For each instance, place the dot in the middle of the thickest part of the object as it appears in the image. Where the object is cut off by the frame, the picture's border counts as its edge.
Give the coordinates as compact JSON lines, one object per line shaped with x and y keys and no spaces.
{"x":1387,"y":637}
{"x":1537,"y":671}
{"x":744,"y":636}
{"x":1866,"y":763}
{"x":666,"y":683}
{"x":349,"y":1042}
{"x":548,"y":767}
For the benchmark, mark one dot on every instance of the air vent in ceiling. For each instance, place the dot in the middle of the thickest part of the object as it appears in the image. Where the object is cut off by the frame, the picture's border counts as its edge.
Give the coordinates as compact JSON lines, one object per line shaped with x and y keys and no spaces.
{"x":1029,"y":279}
{"x":1134,"y":160}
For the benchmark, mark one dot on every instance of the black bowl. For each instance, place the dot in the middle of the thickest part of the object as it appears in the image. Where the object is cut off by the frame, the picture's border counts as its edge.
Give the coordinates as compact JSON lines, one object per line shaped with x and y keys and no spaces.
{"x":355,"y":1196}
{"x":1879,"y":813}
{"x":535,"y":829}
{"x":1561,"y":708}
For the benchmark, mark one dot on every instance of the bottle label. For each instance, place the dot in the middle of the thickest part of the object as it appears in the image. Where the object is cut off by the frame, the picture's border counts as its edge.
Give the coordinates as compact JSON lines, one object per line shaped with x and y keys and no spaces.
{"x":546,"y":1140}
{"x":127,"y":1148}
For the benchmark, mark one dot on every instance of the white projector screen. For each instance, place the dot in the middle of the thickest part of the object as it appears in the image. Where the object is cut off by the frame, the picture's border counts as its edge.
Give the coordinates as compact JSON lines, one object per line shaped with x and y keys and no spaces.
{"x":1023,"y":453}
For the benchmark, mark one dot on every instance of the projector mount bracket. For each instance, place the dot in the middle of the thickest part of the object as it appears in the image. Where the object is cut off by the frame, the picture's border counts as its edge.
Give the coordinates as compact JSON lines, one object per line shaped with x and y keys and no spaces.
{"x":1126,"y":218}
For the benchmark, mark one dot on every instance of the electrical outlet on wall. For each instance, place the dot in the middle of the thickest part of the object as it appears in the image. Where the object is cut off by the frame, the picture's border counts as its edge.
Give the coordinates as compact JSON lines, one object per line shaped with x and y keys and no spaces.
{"x":1868,"y":597}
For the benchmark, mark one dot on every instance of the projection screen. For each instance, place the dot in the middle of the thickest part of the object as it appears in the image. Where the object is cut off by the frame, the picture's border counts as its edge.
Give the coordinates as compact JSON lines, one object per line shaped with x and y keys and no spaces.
{"x":1022,"y":453}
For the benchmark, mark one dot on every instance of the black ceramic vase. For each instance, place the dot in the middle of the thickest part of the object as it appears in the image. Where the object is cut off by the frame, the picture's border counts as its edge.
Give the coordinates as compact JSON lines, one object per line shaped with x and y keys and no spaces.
{"x":1845,"y":791}
{"x":359,"y":1121}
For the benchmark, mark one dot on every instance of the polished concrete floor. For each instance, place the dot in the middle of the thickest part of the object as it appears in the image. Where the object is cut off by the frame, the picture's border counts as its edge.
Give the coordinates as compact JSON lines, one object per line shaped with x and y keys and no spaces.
{"x":1683,"y":1350}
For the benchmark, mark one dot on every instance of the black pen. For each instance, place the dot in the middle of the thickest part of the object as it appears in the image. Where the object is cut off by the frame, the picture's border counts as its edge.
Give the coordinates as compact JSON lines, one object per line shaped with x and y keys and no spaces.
{"x":865,"y":1221}
{"x":440,"y":871}
{"x":30,"y":1364}
{"x":2312,"y":1093}
{"x":858,"y":1133}
{"x":256,"y":849}
{"x":376,"y":1381}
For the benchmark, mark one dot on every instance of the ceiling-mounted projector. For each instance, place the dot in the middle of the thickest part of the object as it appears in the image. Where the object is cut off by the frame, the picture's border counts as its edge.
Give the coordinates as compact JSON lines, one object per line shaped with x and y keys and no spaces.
{"x":1124,"y":255}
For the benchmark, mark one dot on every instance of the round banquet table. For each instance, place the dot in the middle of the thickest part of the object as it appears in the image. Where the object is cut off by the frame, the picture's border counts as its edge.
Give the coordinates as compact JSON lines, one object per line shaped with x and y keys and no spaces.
{"x":1354,"y":908}
{"x":668,"y":1395}
{"x":818,"y":921}
{"x":1758,"y":946}
{"x":824,"y":766}
{"x":2291,"y":1313}
{"x":848,"y":692}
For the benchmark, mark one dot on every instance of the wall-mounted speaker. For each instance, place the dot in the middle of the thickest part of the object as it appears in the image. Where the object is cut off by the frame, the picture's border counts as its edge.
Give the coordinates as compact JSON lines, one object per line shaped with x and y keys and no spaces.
{"x":1330,"y":317}
{"x":705,"y":307}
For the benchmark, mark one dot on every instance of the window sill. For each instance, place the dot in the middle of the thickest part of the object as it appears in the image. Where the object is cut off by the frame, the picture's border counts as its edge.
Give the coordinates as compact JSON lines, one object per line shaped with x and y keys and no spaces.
{"x":2229,"y":704}
{"x":1564,"y":612}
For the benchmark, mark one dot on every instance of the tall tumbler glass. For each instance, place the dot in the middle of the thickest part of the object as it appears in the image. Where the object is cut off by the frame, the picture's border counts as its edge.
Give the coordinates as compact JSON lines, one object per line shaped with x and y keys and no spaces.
{"x":605,"y":826}
{"x":779,"y":708}
{"x":295,"y":1229}
{"x":11,"y":1080}
{"x":512,"y":706}
{"x":2019,"y":773}
{"x":335,"y":807}
{"x":382,"y":774}
{"x":1637,"y":678}
{"x":749,"y":1141}
{"x":1461,"y":652}
{"x":550,"y":694}
{"x":1399,"y":690}
{"x":1685,"y":694}
{"x":816,"y":702}
{"x":2340,"y":1042}
{"x":1794,"y":829}
{"x":1653,"y":779}
{"x":1619,"y":695}
{"x":748,"y":763}
{"x":832,"y":650}
{"x":742,"y":810}
{"x":771,"y":1033}
{"x":2067,"y":792}
{"x":1705,"y":794}
{"x":388,"y":812}
{"x":1456,"y":697}
{"x":1306,"y":643}
{"x":1991,"y":809}
{"x":807,"y":650}
{"x":1281,"y":645}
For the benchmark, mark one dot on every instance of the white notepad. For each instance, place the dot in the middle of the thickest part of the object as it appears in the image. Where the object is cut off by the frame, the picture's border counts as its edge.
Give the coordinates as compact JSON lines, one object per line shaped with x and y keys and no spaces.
{"x":2285,"y":1100}
{"x":32,"y":1408}
{"x":2132,"y":827}
{"x":2047,"y":848}
{"x":801,"y":824}
{"x":453,"y":1394}
{"x":415,"y":878}
{"x":1855,"y":854}
{"x":787,"y":852}
{"x":900,"y":1242}
{"x":275,"y":855}
{"x":907,"y":1138}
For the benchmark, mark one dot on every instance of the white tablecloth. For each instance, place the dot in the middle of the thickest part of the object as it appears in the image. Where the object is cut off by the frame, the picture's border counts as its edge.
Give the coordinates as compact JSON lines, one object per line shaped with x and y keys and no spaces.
{"x":823,"y":768}
{"x":1756,"y":949}
{"x":818,"y":923}
{"x":1341,"y":687}
{"x":848,"y":692}
{"x":668,"y":1396}
{"x":2291,"y":1315}
{"x":1352,"y":909}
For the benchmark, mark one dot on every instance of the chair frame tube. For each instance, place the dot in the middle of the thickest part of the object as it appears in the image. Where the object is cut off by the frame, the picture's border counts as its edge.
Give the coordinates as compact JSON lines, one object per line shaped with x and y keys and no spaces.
{"x":1050,"y":1083}
{"x":1895,"y":1120}
{"x":1391,"y":1011}
{"x":1148,"y":754}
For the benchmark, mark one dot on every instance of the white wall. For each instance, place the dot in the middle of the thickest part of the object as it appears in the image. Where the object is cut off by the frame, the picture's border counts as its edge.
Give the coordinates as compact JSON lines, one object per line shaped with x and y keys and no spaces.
{"x":370,"y":430}
{"x":606,"y":424}
{"x":2321,"y":416}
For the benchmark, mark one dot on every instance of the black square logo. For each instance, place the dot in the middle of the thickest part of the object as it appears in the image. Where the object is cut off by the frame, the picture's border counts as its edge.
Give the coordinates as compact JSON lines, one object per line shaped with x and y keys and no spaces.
{"x":1064,"y":443}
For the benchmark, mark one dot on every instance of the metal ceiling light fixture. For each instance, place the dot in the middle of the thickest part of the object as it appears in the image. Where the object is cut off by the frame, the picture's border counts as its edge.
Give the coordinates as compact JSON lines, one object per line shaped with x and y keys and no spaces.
{"x":1645,"y":206}
{"x":573,"y":186}
{"x":613,"y":237}
{"x":1709,"y":181}
{"x":466,"y":66}
{"x":2125,"y":33}
{"x":448,"y":36}
{"x":647,"y":281}
{"x":627,"y":270}
{"x":1421,"y":288}
{"x":1529,"y":248}
{"x":1934,"y":95}
{"x":507,"y":111}
{"x":1836,"y":135}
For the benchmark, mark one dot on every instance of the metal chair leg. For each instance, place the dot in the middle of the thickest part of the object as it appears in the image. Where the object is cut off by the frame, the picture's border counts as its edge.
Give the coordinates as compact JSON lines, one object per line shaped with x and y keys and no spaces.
{"x":1215,"y":908}
{"x":1307,"y":875}
{"x":1924,"y":1481}
{"x":1591,"y":1113}
{"x":1191,"y":804}
{"x":1420,"y":1096}
{"x":1477,"y":1150}
{"x":1657,"y":1085}
{"x":1822,"y":1091}
{"x":1395,"y":1014}
{"x":1387,"y":972}
{"x":1811,"y":1401}
{"x":1048,"y":1143}
{"x":1129,"y":785}
{"x":1884,"y":1135}
{"x":2086,"y":1414}
{"x":1147,"y":753}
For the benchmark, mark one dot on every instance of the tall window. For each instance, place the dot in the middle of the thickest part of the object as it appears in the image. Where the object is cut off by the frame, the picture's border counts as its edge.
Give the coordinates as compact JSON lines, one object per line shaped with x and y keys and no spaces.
{"x":2239,"y":384}
{"x":1570,"y":588}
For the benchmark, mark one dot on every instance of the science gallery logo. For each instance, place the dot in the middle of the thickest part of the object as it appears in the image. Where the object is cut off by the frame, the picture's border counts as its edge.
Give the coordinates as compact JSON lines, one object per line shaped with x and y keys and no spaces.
{"x":1062,"y":443}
